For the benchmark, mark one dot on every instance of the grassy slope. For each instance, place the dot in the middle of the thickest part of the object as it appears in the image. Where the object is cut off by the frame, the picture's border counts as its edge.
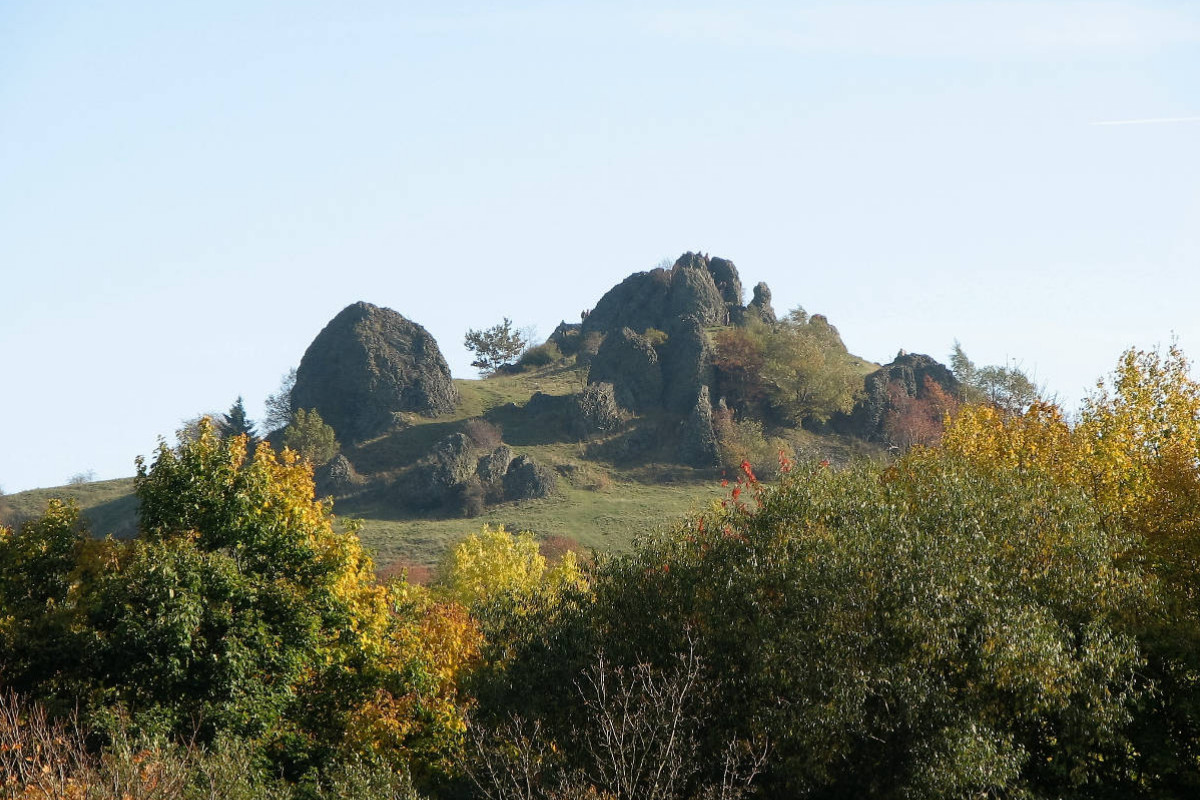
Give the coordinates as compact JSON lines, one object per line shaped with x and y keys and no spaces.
{"x":606,"y":510}
{"x":109,"y":506}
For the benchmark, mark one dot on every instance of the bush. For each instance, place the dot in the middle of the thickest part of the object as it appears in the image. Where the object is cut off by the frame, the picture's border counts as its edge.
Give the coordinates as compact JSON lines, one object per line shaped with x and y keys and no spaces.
{"x":540,"y":356}
{"x":309,"y":436}
{"x":483,"y":434}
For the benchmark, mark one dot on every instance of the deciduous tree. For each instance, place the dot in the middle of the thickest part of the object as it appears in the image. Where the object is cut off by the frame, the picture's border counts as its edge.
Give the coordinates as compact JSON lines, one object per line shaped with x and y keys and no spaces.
{"x":494,"y":347}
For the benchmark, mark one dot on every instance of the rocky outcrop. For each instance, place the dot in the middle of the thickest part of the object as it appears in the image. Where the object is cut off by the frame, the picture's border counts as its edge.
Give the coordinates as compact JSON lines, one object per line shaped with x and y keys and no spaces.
{"x":694,"y":294}
{"x":697,"y":441}
{"x":491,"y":468}
{"x":760,"y":304}
{"x":526,"y":479}
{"x":727,"y":280}
{"x":906,"y":374}
{"x":595,"y":410}
{"x":638,"y":302}
{"x":686,"y":365}
{"x":629,"y":362}
{"x":368,"y":365}
{"x":708,"y":289}
{"x":336,"y":477}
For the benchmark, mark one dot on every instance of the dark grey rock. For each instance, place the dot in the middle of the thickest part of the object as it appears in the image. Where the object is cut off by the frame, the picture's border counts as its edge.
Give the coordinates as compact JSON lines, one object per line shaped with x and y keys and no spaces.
{"x":686,"y":365}
{"x":628,"y":361}
{"x":568,"y":337}
{"x":527,"y":480}
{"x":452,"y":460}
{"x":491,"y":468}
{"x":367,"y":365}
{"x":760,"y":304}
{"x":729,"y":284}
{"x":436,"y":480}
{"x":638,"y":303}
{"x":595,"y":410}
{"x":697,"y":441}
{"x":336,"y":477}
{"x":694,"y":294}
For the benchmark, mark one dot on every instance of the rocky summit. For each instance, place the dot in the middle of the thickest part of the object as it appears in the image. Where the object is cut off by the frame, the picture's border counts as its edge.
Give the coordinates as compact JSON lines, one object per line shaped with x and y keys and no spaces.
{"x":366,"y":366}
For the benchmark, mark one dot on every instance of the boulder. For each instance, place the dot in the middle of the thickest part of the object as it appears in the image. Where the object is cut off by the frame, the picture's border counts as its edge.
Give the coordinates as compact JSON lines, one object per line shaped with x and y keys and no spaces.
{"x":595,"y":410}
{"x":336,"y":477}
{"x":697,"y":440}
{"x":527,"y":480}
{"x":437,"y":478}
{"x":697,"y":286}
{"x":368,"y":365}
{"x":491,"y":468}
{"x":628,"y":361}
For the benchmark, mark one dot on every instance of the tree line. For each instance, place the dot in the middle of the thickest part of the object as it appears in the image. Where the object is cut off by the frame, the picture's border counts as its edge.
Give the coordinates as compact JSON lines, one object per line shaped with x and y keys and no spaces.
{"x":1010,"y":611}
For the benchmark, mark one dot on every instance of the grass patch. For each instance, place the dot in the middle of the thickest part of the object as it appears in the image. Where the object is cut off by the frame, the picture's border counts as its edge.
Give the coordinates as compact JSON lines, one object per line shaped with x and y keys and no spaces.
{"x":607,"y":520}
{"x":109,"y":507}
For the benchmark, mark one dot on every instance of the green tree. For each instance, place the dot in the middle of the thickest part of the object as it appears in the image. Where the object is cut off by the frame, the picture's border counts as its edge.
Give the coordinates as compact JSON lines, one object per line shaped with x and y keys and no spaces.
{"x":41,"y":647}
{"x":235,"y":422}
{"x":494,"y":347}
{"x":311,"y":437}
{"x":930,"y":630}
{"x":1006,"y":387}
{"x":808,"y":374}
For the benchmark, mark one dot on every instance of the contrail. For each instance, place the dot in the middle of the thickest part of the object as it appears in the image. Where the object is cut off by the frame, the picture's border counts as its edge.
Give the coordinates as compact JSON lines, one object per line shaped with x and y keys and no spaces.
{"x":1151,"y":121}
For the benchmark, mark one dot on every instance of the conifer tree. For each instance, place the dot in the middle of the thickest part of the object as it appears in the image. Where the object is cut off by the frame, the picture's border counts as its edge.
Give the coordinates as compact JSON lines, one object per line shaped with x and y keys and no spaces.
{"x":236,"y":423}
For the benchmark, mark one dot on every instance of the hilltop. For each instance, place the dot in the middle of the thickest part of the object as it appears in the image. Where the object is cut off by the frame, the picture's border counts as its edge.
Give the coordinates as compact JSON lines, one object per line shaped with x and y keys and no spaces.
{"x":613,"y":426}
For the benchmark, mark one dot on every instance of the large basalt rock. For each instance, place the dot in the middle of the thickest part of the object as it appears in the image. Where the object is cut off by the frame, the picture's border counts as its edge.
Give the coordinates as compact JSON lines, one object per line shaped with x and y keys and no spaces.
{"x":629,"y":362}
{"x":491,"y":468}
{"x":694,"y":294}
{"x":907,"y":373}
{"x":729,"y":283}
{"x":686,"y":365}
{"x":595,"y":410}
{"x":760,"y":303}
{"x":436,"y":479}
{"x":638,"y":302}
{"x":526,"y":479}
{"x":336,"y":477}
{"x":697,"y":440}
{"x":708,"y":289}
{"x":368,"y":365}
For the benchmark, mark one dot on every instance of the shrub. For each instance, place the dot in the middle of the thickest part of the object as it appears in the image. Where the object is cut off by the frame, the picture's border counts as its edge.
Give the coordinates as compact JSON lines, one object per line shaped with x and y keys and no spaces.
{"x":483,"y":434}
{"x":540,"y":356}
{"x":311,"y":437}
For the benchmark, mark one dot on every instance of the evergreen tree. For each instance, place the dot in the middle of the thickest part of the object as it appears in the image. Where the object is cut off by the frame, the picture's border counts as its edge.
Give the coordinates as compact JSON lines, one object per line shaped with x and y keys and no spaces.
{"x":236,"y":423}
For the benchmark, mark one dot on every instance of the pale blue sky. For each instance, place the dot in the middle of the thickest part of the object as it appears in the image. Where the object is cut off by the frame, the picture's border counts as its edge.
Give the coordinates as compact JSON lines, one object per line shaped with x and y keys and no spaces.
{"x":188,"y":192}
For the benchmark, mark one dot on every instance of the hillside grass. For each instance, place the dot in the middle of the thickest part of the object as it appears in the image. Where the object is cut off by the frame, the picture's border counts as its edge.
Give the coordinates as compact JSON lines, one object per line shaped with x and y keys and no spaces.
{"x":109,"y":507}
{"x":600,"y":504}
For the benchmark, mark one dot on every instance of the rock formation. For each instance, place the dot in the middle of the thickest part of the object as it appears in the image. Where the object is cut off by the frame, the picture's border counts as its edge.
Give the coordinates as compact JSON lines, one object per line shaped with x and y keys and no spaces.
{"x":907,"y":373}
{"x":628,"y":361}
{"x":697,"y":441}
{"x":686,"y":365}
{"x":369,"y":364}
{"x":527,"y":480}
{"x":760,"y":304}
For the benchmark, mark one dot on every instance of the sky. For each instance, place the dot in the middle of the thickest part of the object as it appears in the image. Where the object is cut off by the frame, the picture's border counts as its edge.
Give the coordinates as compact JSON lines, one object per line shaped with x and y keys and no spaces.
{"x":190,"y":191}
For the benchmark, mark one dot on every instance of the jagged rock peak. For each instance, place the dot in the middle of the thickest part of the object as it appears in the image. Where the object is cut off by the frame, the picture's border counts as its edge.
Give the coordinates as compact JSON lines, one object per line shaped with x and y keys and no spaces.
{"x":368,"y":365}
{"x":760,"y":303}
{"x":708,"y":289}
